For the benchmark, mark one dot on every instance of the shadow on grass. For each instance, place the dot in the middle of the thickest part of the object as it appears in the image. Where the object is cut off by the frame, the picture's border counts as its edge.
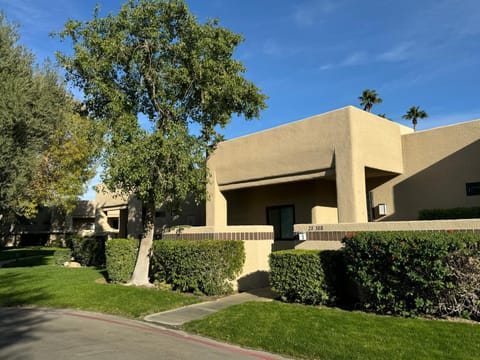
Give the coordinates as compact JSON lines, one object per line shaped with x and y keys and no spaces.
{"x":17,"y":253}
{"x":17,"y":289}
{"x":36,"y":261}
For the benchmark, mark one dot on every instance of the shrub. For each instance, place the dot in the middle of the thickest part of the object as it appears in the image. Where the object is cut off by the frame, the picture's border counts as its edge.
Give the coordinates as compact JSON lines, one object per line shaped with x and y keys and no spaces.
{"x":409,"y":273}
{"x":205,"y":266}
{"x":88,"y":251}
{"x":453,"y":213}
{"x":306,"y":276}
{"x":61,"y":256}
{"x":121,"y":255}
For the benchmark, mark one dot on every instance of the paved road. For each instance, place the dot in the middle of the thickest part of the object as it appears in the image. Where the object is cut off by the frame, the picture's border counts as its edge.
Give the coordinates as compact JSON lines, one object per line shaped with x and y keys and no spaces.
{"x":46,"y":334}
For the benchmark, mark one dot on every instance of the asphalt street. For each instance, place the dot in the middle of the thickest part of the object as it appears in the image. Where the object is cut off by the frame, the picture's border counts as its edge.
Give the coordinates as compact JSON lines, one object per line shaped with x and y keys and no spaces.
{"x":46,"y":334}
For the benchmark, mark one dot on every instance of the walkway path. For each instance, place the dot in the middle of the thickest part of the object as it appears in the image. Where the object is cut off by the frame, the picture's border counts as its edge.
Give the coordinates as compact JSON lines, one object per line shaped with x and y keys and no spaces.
{"x":177,"y":317}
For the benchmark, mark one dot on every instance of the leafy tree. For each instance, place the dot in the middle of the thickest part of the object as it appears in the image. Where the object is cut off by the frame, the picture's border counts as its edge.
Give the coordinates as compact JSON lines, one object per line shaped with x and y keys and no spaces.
{"x":37,"y":119}
{"x":368,"y":99}
{"x":154,"y":59}
{"x":414,"y":113}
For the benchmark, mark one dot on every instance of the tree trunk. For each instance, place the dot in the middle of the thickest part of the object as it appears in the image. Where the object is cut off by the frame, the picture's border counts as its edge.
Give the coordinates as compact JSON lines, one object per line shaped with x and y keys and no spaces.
{"x":142,"y":265}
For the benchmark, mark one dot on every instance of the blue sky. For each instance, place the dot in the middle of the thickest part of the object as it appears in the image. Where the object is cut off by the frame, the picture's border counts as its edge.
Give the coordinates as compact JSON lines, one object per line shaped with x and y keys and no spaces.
{"x":313,"y":56}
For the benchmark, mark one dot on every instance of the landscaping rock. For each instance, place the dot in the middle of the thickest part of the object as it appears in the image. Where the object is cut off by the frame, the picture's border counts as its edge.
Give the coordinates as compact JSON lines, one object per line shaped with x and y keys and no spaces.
{"x":72,"y":264}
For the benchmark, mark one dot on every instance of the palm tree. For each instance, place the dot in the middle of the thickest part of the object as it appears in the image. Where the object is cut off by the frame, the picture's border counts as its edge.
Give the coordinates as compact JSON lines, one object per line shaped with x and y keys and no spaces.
{"x":413,"y":114}
{"x":368,"y":99}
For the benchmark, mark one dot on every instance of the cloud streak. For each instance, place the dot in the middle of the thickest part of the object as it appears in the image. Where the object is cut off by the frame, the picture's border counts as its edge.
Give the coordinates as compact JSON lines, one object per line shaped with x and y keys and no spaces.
{"x":310,"y":12}
{"x":398,"y":53}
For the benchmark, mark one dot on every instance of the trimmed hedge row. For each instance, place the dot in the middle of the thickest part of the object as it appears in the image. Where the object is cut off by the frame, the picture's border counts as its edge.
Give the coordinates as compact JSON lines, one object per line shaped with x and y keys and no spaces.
{"x":410,"y":273}
{"x":400,"y":273}
{"x":89,"y":250}
{"x":120,"y":255}
{"x":453,"y":213}
{"x":206,"y":266}
{"x":309,"y":276}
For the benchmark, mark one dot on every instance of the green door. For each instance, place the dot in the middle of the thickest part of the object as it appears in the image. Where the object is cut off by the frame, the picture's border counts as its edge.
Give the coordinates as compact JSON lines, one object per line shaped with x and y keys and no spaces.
{"x":282,"y":218}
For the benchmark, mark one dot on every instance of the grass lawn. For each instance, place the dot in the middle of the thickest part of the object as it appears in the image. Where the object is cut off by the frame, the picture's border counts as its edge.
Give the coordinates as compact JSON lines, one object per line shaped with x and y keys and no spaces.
{"x":38,"y":282}
{"x":15,"y":253}
{"x":325,"y":333}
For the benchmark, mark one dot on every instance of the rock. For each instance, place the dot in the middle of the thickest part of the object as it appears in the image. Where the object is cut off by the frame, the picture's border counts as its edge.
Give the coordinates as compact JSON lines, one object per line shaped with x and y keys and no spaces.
{"x":72,"y":264}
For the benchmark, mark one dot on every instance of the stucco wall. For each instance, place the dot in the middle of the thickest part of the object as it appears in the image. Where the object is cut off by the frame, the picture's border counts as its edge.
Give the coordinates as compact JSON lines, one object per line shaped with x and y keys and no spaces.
{"x":298,"y":147}
{"x":248,"y":206}
{"x":338,"y":146}
{"x":437,"y":164}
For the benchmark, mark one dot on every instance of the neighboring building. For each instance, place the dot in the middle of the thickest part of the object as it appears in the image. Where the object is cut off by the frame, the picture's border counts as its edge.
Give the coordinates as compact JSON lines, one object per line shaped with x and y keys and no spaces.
{"x":345,"y":166}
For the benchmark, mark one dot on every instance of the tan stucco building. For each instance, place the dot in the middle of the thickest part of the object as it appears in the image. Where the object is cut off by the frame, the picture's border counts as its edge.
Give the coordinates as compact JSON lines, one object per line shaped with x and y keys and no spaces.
{"x":344,"y":166}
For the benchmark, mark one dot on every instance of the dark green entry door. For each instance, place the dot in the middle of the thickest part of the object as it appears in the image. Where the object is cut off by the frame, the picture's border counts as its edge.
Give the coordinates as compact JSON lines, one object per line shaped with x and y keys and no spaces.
{"x":282,"y":218}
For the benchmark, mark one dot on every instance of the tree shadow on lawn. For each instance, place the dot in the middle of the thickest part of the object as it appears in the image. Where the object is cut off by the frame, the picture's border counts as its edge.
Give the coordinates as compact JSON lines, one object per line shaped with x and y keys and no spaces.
{"x":31,"y":262}
{"x":17,"y":289}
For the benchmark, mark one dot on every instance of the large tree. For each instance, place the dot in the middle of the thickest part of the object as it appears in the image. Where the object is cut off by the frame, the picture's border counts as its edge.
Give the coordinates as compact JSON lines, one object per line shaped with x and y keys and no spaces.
{"x":415,"y":113}
{"x":155,"y":60}
{"x":368,"y":99}
{"x":39,"y":121}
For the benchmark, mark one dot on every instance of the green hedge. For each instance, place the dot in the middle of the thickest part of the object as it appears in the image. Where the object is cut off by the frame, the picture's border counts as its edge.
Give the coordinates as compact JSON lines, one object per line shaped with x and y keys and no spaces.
{"x":88,"y":251}
{"x":205,"y":266}
{"x":453,"y":213}
{"x":121,"y":255}
{"x":61,"y":256}
{"x":409,"y":273}
{"x":308,"y":276}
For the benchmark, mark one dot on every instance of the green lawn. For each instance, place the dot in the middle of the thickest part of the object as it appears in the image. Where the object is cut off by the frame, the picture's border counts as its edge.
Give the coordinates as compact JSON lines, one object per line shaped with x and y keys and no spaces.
{"x":15,"y":253}
{"x":325,"y":333}
{"x":38,"y":282}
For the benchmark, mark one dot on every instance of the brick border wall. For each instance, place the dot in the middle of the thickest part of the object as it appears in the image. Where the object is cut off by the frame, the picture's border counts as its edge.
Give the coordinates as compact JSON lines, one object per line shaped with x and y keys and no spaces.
{"x":339,"y":235}
{"x":220,"y":236}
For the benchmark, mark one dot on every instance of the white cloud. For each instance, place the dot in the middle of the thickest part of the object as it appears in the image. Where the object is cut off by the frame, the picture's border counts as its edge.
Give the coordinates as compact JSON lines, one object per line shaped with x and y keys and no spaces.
{"x":310,"y":12}
{"x":399,"y":52}
{"x":356,"y":58}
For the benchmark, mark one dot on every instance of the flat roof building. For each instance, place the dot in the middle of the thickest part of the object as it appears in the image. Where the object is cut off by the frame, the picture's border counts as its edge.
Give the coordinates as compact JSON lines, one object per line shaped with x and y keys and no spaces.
{"x":344,"y":166}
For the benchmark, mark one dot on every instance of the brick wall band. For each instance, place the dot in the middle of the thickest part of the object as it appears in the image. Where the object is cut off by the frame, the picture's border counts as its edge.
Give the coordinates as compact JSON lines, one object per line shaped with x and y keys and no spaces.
{"x":220,"y":236}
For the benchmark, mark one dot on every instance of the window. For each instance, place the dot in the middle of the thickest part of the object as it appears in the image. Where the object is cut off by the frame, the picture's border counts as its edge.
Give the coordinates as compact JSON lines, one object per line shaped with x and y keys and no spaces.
{"x":282,"y":218}
{"x":473,"y":188}
{"x":114,"y":223}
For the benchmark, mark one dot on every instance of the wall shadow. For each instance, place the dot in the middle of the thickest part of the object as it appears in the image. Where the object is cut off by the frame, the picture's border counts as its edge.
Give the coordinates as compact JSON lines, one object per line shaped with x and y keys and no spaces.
{"x":252,"y":281}
{"x":441,"y":185}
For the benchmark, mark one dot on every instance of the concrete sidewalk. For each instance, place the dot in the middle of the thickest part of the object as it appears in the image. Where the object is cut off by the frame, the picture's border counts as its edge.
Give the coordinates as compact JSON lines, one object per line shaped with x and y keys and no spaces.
{"x":180,"y":316}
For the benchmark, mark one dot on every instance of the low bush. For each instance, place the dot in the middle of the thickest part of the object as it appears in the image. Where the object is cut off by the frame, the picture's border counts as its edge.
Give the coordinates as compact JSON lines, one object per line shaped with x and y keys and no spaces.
{"x":410,"y":273}
{"x":61,"y":256}
{"x":308,"y":276}
{"x":298,"y":276}
{"x":205,"y":266}
{"x":88,"y":251}
{"x":446,"y":214}
{"x":121,"y":255}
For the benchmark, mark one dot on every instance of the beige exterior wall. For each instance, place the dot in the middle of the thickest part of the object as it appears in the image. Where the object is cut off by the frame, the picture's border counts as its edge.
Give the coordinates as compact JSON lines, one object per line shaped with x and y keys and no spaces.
{"x":310,"y":197}
{"x":342,"y":147}
{"x":437,"y":165}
